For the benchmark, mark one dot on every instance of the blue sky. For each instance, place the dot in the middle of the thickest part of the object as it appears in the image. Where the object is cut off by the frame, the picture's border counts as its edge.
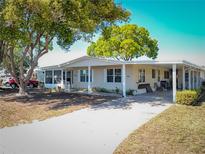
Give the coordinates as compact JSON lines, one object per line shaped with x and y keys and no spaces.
{"x":178,"y":25}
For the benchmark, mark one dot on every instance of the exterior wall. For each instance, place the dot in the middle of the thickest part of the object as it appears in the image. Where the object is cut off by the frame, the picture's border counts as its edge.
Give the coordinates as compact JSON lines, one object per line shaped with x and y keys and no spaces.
{"x":132,"y":77}
{"x":98,"y":80}
{"x":180,"y":79}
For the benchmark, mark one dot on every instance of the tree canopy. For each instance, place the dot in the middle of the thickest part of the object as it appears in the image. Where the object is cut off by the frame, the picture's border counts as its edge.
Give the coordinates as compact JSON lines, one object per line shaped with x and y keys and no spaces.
{"x":124,"y":43}
{"x":28,"y":27}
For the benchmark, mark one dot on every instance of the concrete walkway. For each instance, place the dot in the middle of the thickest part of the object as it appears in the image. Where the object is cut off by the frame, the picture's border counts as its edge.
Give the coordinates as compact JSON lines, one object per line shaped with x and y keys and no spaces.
{"x":96,"y":130}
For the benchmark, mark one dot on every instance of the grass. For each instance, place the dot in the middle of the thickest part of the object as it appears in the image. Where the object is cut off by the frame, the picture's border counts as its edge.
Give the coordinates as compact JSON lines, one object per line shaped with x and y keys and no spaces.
{"x":16,"y":113}
{"x":41,"y":106}
{"x":179,"y":129}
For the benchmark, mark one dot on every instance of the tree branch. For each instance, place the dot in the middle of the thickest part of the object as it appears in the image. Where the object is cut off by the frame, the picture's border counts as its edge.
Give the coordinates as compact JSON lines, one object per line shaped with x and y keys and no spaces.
{"x":40,"y":54}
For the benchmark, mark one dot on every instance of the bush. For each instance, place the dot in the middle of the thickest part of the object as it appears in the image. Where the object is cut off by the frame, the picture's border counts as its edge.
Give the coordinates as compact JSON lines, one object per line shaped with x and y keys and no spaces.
{"x":130,"y":92}
{"x":117,"y":90}
{"x":101,"y":90}
{"x":187,"y":97}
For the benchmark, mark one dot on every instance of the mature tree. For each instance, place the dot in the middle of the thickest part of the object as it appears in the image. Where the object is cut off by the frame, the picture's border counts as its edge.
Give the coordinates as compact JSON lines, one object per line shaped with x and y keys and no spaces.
{"x":1,"y":41}
{"x":1,"y":51}
{"x":124,"y":43}
{"x":28,"y":27}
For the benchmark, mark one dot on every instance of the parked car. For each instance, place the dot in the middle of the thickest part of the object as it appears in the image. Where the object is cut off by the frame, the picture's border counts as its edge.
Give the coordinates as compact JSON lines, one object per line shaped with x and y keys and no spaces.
{"x":11,"y":82}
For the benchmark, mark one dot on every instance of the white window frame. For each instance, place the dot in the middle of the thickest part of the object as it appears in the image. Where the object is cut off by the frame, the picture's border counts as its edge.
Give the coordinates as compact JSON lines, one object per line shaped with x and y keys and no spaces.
{"x":86,"y":76}
{"x":114,"y":75}
{"x":142,"y":70}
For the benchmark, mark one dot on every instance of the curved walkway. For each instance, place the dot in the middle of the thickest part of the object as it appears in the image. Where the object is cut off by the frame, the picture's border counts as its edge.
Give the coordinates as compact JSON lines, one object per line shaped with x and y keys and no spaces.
{"x":95,"y":130}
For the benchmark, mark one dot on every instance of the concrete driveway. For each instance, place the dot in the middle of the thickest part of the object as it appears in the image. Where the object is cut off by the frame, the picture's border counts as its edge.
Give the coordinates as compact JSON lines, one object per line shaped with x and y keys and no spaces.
{"x":95,"y":130}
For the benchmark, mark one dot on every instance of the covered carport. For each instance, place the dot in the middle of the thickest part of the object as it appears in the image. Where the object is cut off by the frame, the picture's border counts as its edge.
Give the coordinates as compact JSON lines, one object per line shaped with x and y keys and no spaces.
{"x":184,"y":75}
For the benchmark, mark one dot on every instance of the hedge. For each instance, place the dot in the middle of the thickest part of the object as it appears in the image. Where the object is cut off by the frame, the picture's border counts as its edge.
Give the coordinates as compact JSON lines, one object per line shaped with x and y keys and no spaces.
{"x":186,"y":97}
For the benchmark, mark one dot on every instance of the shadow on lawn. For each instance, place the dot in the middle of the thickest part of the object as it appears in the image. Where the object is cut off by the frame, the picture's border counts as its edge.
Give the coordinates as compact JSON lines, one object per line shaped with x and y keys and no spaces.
{"x":55,"y":101}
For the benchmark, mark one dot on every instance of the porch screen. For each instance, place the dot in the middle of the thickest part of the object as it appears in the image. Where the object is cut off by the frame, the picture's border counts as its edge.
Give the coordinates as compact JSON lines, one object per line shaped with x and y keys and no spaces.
{"x":57,"y":76}
{"x":166,"y":74}
{"x":153,"y":73}
{"x":49,"y":79}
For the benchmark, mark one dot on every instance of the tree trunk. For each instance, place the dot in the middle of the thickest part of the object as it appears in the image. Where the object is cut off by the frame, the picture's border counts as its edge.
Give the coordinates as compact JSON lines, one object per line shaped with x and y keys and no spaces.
{"x":1,"y":51}
{"x":22,"y":83}
{"x":22,"y":88}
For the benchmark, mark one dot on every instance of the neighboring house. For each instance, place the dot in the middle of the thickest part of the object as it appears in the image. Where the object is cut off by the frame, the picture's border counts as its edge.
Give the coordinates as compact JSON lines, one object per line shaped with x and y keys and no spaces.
{"x":89,"y":72}
{"x":4,"y":76}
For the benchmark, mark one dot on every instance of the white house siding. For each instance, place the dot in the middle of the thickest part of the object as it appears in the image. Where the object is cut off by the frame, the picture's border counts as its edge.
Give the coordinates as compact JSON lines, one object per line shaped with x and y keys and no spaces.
{"x":99,"y":80}
{"x":132,"y":76}
{"x":132,"y":84}
{"x":180,"y":78}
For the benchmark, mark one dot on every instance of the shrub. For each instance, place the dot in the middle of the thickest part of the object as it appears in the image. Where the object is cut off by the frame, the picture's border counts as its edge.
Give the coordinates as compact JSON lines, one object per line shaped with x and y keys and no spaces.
{"x":101,"y":90}
{"x":186,"y":97}
{"x":130,"y":92}
{"x":117,"y":90}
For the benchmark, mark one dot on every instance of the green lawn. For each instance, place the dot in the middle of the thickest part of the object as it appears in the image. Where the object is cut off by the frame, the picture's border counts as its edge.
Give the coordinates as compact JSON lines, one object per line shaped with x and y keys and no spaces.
{"x":178,"y":130}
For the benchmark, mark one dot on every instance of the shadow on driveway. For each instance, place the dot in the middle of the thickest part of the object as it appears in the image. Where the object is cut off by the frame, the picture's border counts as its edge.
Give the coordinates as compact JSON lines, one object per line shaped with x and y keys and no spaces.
{"x":153,"y":99}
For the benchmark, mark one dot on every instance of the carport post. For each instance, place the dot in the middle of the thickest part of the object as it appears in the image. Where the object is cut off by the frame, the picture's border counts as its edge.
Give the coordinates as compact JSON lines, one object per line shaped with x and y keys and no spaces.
{"x":189,"y":79}
{"x":198,"y":79}
{"x":183,"y":78}
{"x":174,"y":82}
{"x":62,"y":85}
{"x":44,"y":77}
{"x":89,"y":85}
{"x":193,"y":79}
{"x":124,"y":80}
{"x":197,"y":85}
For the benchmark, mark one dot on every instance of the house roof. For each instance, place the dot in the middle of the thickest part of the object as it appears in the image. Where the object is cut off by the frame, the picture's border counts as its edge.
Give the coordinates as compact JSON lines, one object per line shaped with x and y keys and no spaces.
{"x":70,"y":60}
{"x":57,"y":58}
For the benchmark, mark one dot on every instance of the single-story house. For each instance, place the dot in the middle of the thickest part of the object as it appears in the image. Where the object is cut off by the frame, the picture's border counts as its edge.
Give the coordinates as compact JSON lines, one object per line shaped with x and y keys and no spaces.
{"x":91,"y":72}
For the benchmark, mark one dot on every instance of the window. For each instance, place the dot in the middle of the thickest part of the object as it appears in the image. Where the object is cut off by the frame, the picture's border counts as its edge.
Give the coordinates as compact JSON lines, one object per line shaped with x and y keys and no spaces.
{"x":117,"y":75}
{"x":166,"y":74}
{"x":110,"y":75}
{"x":57,"y":76}
{"x":142,"y":75}
{"x":84,"y":76}
{"x":49,"y":79}
{"x":114,"y":75}
{"x":68,"y":79}
{"x":153,"y":73}
{"x":158,"y":75}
